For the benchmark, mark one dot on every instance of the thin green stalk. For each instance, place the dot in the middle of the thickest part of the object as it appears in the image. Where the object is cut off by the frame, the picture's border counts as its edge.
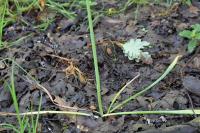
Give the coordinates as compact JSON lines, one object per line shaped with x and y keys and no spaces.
{"x":126,"y":5}
{"x":25,"y":122}
{"x":168,"y":70}
{"x":120,"y":91}
{"x":137,"y":11}
{"x":14,"y":97}
{"x":60,"y":8}
{"x":159,"y":112}
{"x":16,"y":42}
{"x":2,"y":16}
{"x":92,"y":37}
{"x":37,"y":117}
{"x":9,"y":126}
{"x":32,"y":120}
{"x":18,"y":7}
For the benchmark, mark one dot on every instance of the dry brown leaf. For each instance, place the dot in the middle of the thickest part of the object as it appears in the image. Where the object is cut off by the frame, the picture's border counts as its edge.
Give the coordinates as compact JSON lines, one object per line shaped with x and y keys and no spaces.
{"x":51,"y":97}
{"x":93,"y":107}
{"x":72,"y":70}
{"x":53,"y":100}
{"x":61,"y":103}
{"x":193,"y":9}
{"x":81,"y":76}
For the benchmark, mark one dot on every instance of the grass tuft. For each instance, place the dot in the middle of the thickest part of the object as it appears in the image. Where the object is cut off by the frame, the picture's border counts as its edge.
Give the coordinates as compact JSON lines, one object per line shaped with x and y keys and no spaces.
{"x":167,"y":71}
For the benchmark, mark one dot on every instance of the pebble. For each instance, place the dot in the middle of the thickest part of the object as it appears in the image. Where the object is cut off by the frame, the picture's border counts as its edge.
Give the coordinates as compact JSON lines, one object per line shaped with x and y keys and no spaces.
{"x":2,"y":65}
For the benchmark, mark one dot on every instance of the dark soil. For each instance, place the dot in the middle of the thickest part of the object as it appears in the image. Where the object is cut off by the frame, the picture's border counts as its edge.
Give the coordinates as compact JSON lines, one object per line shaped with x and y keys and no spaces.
{"x":36,"y":54}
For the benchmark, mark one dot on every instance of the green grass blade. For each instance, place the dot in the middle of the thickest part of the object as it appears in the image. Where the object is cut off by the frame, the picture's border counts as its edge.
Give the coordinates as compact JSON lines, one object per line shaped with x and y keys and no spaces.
{"x":120,"y":91}
{"x":16,"y":42}
{"x":92,"y":37}
{"x":18,"y":7}
{"x":25,"y":123}
{"x":2,"y":18}
{"x":171,"y":66}
{"x":9,"y":126}
{"x":37,"y":117}
{"x":13,"y":94}
{"x":32,"y":120}
{"x":60,"y":8}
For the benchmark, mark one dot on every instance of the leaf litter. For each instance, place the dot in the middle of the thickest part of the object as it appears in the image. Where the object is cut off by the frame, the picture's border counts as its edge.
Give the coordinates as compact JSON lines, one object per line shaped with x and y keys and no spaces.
{"x":74,"y":62}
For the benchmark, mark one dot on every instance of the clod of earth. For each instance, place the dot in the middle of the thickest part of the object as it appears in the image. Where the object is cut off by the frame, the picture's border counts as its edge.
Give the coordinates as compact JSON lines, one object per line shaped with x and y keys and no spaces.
{"x":192,"y":84}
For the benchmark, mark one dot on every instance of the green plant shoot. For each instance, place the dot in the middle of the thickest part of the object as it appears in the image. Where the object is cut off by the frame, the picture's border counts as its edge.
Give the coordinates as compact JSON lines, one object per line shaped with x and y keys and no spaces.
{"x":193,"y":36}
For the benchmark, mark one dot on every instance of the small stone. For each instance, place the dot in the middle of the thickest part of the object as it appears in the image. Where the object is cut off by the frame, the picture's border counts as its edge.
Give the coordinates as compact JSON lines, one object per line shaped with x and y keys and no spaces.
{"x":196,"y":61}
{"x":2,"y":65}
{"x":49,"y":50}
{"x":109,"y":51}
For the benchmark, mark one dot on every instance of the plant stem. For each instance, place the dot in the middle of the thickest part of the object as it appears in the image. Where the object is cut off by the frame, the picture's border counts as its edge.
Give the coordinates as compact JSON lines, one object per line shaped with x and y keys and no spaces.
{"x":45,"y":112}
{"x":171,"y":66}
{"x":2,"y":17}
{"x":166,"y":112}
{"x":92,"y":37}
{"x":14,"y":97}
{"x":137,"y":11}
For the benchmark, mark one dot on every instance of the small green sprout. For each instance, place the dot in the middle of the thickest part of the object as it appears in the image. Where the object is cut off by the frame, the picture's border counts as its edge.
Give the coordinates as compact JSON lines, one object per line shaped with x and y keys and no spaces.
{"x":187,"y":2}
{"x":193,"y":35}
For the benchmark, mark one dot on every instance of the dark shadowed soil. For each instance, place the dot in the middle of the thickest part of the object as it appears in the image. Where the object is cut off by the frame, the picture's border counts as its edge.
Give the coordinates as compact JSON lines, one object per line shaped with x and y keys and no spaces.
{"x":61,"y":60}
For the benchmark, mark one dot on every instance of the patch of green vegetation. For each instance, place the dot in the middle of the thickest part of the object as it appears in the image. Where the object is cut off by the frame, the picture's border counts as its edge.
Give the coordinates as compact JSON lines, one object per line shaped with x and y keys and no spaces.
{"x":16,"y":42}
{"x":187,"y":2}
{"x":138,"y":3}
{"x":134,"y":96}
{"x":193,"y":35}
{"x":60,"y":8}
{"x":24,"y":124}
{"x":12,"y":11}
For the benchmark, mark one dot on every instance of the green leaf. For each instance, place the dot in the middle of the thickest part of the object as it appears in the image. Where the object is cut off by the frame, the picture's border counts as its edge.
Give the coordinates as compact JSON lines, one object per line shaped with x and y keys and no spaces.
{"x":196,"y":27}
{"x":192,"y":45}
{"x":140,"y":2}
{"x":197,"y":36}
{"x":133,"y":49}
{"x":188,"y":2}
{"x":186,"y":34}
